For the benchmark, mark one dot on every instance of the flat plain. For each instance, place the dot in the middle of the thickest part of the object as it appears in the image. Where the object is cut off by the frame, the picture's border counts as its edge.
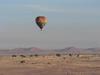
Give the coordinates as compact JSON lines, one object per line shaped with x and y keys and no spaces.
{"x":50,"y":65}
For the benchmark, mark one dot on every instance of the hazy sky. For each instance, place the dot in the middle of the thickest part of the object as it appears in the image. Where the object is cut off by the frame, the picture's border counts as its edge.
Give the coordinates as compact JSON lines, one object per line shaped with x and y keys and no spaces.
{"x":70,"y":23}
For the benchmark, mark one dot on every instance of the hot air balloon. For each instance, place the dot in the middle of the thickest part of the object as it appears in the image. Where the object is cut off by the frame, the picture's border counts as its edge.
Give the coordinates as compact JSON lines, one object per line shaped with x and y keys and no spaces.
{"x":41,"y":21}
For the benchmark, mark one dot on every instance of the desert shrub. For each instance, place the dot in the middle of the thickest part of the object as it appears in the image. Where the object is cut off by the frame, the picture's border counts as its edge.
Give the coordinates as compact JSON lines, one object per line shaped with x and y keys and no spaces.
{"x":64,"y":58}
{"x":14,"y":55}
{"x":48,"y":63}
{"x":31,"y":55}
{"x":34,"y":63}
{"x":70,"y":54}
{"x":58,"y":55}
{"x":36,"y":55}
{"x":23,"y":61}
{"x":23,"y":56}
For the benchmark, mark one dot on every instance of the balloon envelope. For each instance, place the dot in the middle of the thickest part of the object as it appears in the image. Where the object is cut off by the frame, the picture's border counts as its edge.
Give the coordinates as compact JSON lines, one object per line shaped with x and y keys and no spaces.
{"x":41,"y":21}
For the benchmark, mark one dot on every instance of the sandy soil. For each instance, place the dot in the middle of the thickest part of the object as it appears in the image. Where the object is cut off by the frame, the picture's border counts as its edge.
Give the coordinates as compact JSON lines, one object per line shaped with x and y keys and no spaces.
{"x":50,"y":65}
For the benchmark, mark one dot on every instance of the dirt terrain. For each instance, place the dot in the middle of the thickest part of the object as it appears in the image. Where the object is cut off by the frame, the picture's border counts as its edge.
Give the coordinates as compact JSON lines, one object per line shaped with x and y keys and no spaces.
{"x":50,"y":65}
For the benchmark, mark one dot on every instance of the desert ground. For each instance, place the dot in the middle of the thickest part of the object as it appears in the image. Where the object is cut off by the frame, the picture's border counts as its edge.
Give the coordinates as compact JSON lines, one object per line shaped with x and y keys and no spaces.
{"x":58,"y":64}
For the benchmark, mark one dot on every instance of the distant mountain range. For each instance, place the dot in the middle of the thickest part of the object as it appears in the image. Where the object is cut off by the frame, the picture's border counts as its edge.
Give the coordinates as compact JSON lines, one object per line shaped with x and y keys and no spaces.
{"x":34,"y":50}
{"x":75,"y":50}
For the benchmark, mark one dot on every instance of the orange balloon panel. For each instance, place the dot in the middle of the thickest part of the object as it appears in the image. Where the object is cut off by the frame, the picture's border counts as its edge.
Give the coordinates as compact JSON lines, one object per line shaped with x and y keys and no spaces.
{"x":41,"y":19}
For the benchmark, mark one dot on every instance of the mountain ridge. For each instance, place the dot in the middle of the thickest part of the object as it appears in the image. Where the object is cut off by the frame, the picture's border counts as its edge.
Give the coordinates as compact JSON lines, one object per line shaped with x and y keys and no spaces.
{"x":34,"y":50}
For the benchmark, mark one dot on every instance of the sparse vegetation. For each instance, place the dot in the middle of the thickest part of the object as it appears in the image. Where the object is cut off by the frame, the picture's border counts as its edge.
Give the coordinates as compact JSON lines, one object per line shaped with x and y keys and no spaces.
{"x":31,"y":55}
{"x":14,"y":55}
{"x":70,"y":55}
{"x":58,"y":55}
{"x":23,"y":56}
{"x":36,"y":55}
{"x":48,"y":63}
{"x":51,"y":63}
{"x":23,"y":61}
